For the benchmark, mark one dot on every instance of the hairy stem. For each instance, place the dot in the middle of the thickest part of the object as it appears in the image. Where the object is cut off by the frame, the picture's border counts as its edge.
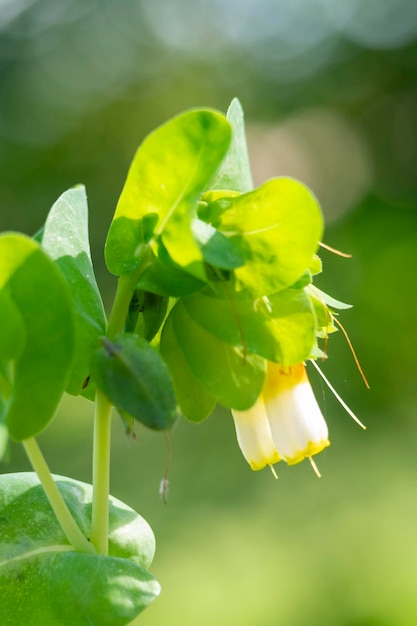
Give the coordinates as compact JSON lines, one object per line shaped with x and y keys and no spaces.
{"x":63,"y":514}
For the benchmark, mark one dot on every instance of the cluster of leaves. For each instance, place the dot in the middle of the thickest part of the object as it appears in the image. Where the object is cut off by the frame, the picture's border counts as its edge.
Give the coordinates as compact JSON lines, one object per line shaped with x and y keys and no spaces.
{"x":214,"y":280}
{"x":220,"y":279}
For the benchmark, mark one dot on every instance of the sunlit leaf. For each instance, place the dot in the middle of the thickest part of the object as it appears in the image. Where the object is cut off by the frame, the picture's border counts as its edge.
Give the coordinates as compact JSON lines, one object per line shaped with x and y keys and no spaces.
{"x":136,"y":380}
{"x":280,"y":328}
{"x":326,"y":299}
{"x":42,"y":579}
{"x":169,"y":172}
{"x":65,"y":239}
{"x":277,"y":227}
{"x":194,"y":400}
{"x":231,"y":377}
{"x":218,"y":250}
{"x":41,"y":368}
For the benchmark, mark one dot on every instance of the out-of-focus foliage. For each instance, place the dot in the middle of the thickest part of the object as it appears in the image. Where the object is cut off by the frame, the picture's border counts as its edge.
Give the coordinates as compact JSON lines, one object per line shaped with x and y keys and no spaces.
{"x":330,"y":93}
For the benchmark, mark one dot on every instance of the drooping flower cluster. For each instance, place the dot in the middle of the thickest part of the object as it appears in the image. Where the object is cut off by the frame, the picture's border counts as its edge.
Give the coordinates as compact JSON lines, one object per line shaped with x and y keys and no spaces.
{"x":285,"y":423}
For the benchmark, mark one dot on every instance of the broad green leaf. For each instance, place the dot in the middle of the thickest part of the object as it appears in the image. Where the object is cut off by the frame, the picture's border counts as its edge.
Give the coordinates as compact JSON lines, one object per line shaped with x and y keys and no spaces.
{"x":235,"y":173}
{"x":43,"y":581}
{"x":166,"y":278}
{"x":169,"y":172}
{"x":230,"y":377}
{"x":12,"y":328}
{"x":41,"y":368}
{"x":194,"y":400}
{"x":280,"y":328}
{"x":65,"y":240}
{"x":135,"y":378}
{"x":277,"y":227}
{"x":217,"y":249}
{"x":146,"y":314}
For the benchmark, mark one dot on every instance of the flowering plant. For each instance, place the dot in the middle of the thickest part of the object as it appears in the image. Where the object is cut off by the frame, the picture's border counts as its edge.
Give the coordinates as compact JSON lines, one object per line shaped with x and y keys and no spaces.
{"x":215,"y":304}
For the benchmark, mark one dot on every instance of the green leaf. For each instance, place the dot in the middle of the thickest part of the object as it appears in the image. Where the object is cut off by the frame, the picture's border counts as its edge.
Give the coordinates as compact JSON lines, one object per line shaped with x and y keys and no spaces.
{"x":169,"y":172}
{"x":166,"y":278}
{"x":234,"y":172}
{"x":12,"y":328}
{"x":280,"y":328}
{"x":230,"y":377}
{"x":4,"y":433}
{"x":326,"y":299}
{"x":277,"y":227}
{"x":316,"y":265}
{"x":65,"y":240}
{"x":194,"y":400}
{"x":146,"y":314}
{"x":217,"y":249}
{"x":43,"y":581}
{"x":41,"y":368}
{"x":136,"y":380}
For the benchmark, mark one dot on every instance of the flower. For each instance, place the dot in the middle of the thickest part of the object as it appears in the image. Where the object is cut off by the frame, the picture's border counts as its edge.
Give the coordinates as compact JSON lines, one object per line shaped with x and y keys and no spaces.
{"x":285,"y":423}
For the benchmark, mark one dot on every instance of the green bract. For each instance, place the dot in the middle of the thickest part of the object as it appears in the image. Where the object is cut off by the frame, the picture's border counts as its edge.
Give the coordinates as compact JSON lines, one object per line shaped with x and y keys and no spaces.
{"x":42,"y":579}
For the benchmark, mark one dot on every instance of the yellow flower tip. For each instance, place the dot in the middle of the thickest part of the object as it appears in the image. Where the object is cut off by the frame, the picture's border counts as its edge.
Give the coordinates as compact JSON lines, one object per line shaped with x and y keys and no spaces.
{"x":310,"y":449}
{"x":256,"y":464}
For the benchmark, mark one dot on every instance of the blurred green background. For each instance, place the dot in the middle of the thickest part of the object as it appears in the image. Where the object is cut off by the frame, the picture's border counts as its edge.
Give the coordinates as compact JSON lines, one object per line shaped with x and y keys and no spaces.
{"x":330,"y":93}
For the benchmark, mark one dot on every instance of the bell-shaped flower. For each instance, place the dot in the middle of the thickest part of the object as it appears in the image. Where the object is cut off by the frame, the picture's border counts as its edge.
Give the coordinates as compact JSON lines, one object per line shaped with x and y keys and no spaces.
{"x":284,"y":423}
{"x":297,"y":425}
{"x":254,"y":436}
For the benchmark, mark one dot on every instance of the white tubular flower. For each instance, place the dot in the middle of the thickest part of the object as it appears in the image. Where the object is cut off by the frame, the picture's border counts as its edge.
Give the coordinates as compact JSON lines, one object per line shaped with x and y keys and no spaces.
{"x":297,"y":425}
{"x":285,"y":423}
{"x":254,"y":436}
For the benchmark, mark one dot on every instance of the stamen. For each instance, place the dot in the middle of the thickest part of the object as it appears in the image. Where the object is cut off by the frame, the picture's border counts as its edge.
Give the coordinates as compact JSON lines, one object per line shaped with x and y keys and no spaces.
{"x":314,"y":466}
{"x":335,"y":251}
{"x":358,"y":365}
{"x":342,"y":402}
{"x":274,"y":474}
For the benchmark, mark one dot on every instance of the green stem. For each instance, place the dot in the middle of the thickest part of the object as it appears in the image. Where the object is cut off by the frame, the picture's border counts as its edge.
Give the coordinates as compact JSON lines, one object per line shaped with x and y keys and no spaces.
{"x":63,"y":514}
{"x":101,"y":474}
{"x":102,"y":421}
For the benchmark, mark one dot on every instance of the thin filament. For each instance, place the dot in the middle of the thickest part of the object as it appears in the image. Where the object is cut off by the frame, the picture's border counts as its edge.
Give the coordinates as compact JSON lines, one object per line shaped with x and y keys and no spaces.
{"x":274,"y":474}
{"x":358,"y":365}
{"x":342,"y":402}
{"x":346,"y":255}
{"x":314,"y":466}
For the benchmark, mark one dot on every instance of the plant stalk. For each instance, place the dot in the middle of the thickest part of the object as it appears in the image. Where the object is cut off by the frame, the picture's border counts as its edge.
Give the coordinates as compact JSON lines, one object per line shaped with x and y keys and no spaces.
{"x":57,"y":502}
{"x":102,"y":420}
{"x":101,"y":474}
